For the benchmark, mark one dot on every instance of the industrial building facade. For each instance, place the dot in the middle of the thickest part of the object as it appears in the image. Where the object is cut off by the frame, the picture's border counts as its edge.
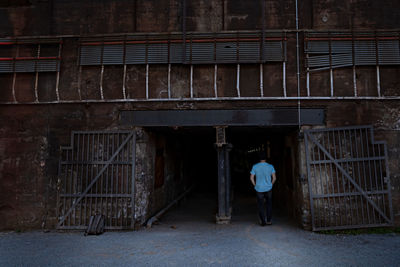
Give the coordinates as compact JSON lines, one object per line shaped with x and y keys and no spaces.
{"x":119,"y":107}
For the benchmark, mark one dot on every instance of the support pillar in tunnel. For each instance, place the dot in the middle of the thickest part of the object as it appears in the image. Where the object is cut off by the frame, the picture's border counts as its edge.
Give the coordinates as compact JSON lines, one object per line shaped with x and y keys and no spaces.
{"x":224,"y":178}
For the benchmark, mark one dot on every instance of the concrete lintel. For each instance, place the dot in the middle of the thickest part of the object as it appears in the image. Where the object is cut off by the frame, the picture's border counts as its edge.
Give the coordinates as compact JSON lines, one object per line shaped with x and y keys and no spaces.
{"x":243,"y":117}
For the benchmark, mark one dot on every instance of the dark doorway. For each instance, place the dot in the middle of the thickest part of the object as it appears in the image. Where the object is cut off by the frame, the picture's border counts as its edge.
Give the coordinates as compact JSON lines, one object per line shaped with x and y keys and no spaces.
{"x":280,"y":145}
{"x":199,"y":160}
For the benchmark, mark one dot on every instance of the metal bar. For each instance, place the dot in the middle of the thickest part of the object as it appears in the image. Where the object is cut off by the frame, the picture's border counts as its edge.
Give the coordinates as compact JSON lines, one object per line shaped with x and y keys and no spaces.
{"x":364,"y":174}
{"x":154,"y":218}
{"x":78,"y":153}
{"x":101,"y":82}
{"x":359,"y":176}
{"x":350,"y":227}
{"x":215,"y":80}
{"x":388,"y":182}
{"x":284,"y":79}
{"x":87,"y":146}
{"x":124,"y":75}
{"x":367,"y":143}
{"x":58,"y":71}
{"x":102,"y":70}
{"x":354,"y":65}
{"x":261,"y":81}
{"x":147,"y":81}
{"x":337,"y":175}
{"x":124,"y":83}
{"x":353,"y":172}
{"x":37,"y":76}
{"x":112,"y":180}
{"x":378,"y":81}
{"x":308,"y":158}
{"x":321,"y":208}
{"x":94,"y":162}
{"x":133,"y":169}
{"x":117,"y":184}
{"x":378,"y":78}
{"x":348,"y":176}
{"x":98,"y":174}
{"x":204,"y":99}
{"x":345,"y":149}
{"x":375,"y":192}
{"x":308,"y":68}
{"x":355,"y":159}
{"x":238,"y":80}
{"x":374,"y":172}
{"x":107,"y":179}
{"x":381,"y":179}
{"x":330,"y":64}
{"x":70,"y":183}
{"x":332,"y":182}
{"x":191,"y":81}
{"x":79,"y":83}
{"x":91,"y":172}
{"x":342,"y":176}
{"x":169,"y":81}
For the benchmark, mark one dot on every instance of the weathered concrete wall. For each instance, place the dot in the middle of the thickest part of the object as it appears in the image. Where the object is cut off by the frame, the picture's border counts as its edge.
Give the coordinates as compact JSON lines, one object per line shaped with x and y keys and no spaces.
{"x":31,"y":138}
{"x":59,"y":17}
{"x":30,"y":135}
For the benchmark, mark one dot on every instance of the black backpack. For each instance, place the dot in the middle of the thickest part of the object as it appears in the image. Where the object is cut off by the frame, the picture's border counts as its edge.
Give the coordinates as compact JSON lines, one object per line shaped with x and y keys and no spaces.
{"x":96,"y":225}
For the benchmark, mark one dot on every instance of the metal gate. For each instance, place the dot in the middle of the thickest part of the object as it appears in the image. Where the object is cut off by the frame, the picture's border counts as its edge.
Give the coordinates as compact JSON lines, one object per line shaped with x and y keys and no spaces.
{"x":96,"y":176}
{"x":348,"y":178}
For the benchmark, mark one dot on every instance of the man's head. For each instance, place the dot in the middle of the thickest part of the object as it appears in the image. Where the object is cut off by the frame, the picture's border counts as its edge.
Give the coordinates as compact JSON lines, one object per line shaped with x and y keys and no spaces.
{"x":262,"y":156}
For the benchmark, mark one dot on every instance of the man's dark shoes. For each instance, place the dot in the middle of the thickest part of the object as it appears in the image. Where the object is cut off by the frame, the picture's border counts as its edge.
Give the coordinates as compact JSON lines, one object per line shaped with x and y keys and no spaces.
{"x":263,"y":223}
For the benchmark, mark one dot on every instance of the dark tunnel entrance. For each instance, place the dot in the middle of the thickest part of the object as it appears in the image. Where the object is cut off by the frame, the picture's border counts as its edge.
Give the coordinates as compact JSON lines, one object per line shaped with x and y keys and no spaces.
{"x":195,"y":156}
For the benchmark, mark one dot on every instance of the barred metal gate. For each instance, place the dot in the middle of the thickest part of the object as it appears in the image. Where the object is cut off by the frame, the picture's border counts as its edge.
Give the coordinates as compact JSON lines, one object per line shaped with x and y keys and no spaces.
{"x":96,"y":176}
{"x":348,"y":178}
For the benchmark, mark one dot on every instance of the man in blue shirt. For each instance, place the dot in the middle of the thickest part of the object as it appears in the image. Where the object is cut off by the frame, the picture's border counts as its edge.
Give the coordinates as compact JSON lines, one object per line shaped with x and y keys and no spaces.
{"x":265,"y":179}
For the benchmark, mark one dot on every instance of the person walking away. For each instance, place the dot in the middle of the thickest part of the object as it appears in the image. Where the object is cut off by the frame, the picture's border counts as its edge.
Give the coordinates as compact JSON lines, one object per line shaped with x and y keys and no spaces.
{"x":265,"y":179}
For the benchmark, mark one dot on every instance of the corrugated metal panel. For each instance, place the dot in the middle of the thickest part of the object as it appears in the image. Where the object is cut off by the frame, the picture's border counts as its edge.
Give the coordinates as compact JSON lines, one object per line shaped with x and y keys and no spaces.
{"x":90,"y":55}
{"x":157,"y":53}
{"x":388,"y":52}
{"x":6,"y":66}
{"x":176,"y":53}
{"x":365,"y":52}
{"x":226,"y":52}
{"x":25,"y":66}
{"x":135,"y":54}
{"x":113,"y":55}
{"x":249,"y":52}
{"x":47,"y":65}
{"x":202,"y":52}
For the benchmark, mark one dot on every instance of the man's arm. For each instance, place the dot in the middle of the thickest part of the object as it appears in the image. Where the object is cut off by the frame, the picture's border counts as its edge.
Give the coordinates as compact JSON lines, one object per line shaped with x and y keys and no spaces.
{"x":252,"y":179}
{"x":273,"y":178}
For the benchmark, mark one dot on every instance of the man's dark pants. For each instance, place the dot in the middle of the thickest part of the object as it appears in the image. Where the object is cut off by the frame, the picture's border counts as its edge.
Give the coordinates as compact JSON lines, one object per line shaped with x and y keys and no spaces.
{"x":261,"y":198}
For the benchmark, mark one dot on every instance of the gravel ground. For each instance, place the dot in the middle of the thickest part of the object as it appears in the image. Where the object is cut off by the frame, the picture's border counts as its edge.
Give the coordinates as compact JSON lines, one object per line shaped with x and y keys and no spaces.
{"x":185,"y":238}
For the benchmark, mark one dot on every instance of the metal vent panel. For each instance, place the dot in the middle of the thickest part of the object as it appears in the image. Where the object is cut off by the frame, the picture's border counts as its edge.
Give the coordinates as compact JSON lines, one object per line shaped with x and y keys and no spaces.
{"x":6,"y":66}
{"x":157,"y":53}
{"x":113,"y":55}
{"x":90,"y":55}
{"x":226,"y":52}
{"x":135,"y":54}
{"x":249,"y":51}
{"x":202,"y":52}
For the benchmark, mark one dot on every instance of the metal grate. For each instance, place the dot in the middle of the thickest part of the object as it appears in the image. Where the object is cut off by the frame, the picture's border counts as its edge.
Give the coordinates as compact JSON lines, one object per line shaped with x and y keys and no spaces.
{"x":195,"y":49}
{"x":348,"y":177}
{"x":96,"y":176}
{"x":337,"y":50}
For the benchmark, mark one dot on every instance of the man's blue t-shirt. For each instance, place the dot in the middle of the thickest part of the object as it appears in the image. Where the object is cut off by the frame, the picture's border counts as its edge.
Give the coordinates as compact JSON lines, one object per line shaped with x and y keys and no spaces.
{"x":263,"y":172}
